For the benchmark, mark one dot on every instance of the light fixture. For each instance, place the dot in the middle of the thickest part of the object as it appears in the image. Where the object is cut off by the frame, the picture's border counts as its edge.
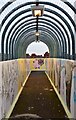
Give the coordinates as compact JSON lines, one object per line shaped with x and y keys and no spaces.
{"x":37,"y":33}
{"x":37,"y":10}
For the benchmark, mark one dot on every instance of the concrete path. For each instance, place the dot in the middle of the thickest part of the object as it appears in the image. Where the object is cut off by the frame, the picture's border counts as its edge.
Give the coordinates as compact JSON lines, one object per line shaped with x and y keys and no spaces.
{"x":38,"y":99}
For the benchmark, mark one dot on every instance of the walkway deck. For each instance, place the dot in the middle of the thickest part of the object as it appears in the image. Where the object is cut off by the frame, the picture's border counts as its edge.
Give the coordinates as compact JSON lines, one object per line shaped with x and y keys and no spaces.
{"x":38,"y":97}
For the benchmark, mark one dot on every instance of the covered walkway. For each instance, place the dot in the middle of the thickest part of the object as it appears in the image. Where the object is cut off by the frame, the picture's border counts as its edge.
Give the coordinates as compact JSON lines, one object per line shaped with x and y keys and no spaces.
{"x":52,"y":22}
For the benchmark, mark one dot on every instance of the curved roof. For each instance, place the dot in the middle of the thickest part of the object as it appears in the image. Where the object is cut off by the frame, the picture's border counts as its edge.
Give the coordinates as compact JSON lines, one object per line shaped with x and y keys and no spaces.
{"x":57,"y":28}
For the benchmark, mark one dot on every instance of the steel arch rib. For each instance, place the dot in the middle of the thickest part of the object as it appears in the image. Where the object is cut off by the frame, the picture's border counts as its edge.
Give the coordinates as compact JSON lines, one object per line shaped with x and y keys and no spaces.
{"x":10,"y":2}
{"x":46,"y":3}
{"x":28,"y":27}
{"x":35,"y":27}
{"x":42,"y":22}
{"x":57,"y":6}
{"x":33,"y":38}
{"x":48,"y":44}
{"x":18,"y":27}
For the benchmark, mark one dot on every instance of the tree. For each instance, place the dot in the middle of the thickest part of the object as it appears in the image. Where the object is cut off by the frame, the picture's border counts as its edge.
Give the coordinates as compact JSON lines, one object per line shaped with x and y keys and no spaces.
{"x":46,"y":55}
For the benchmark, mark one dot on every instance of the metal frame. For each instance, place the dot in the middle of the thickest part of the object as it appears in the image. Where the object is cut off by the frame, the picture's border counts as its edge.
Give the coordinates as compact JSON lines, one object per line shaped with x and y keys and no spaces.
{"x":48,"y":10}
{"x":50,"y":32}
{"x":30,"y":36}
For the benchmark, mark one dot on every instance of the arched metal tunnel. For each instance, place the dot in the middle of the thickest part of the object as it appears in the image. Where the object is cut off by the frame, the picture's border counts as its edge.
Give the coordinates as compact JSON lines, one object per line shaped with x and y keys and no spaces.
{"x":57,"y":28}
{"x":43,"y":84}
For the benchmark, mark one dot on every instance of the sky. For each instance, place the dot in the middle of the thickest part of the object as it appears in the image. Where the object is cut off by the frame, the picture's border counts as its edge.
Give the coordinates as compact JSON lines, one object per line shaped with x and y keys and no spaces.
{"x":39,"y":48}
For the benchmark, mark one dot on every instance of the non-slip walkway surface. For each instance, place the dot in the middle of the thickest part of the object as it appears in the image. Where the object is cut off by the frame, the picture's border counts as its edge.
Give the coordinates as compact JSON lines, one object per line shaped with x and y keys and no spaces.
{"x":39,"y":98}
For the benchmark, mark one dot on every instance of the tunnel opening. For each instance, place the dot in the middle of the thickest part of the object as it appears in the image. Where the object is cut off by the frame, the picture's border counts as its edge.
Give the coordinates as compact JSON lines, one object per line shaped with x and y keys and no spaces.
{"x":37,"y":49}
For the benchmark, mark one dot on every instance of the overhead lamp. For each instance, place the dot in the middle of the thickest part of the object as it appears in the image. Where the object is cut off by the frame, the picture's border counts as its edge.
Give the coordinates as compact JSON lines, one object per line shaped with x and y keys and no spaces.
{"x":37,"y":33}
{"x":37,"y":10}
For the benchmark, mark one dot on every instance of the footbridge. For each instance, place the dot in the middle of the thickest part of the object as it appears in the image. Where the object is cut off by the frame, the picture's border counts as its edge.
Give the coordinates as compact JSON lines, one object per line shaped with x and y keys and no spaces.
{"x":43,"y":88}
